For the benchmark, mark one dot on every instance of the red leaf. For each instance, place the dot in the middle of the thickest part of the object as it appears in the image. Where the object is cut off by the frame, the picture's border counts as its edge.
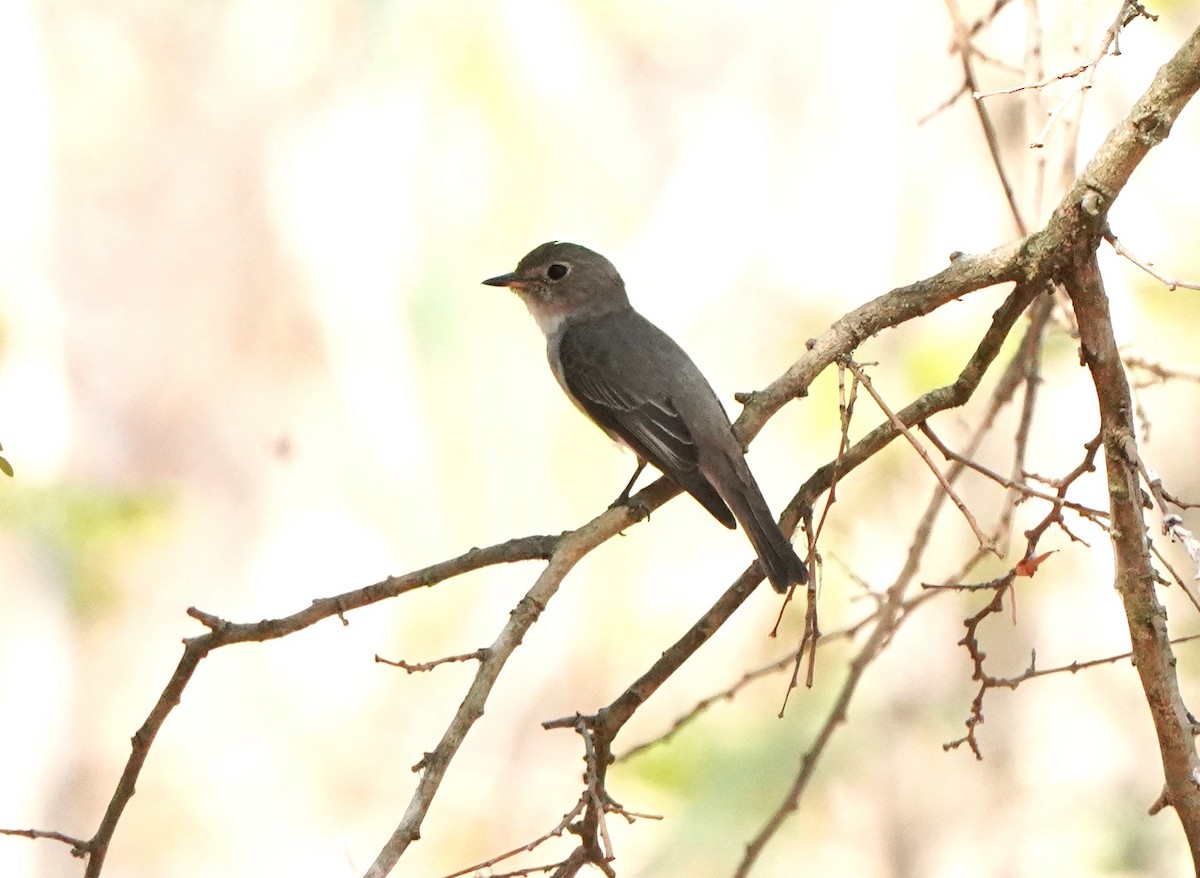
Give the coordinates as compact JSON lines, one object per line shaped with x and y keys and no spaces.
{"x":1029,"y":566}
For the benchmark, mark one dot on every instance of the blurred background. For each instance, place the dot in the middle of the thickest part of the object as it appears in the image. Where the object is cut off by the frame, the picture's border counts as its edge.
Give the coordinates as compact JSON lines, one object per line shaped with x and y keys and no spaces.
{"x":246,"y":361}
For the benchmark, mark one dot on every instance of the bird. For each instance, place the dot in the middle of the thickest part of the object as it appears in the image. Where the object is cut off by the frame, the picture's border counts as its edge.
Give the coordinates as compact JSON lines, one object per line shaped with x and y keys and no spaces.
{"x":642,"y":389}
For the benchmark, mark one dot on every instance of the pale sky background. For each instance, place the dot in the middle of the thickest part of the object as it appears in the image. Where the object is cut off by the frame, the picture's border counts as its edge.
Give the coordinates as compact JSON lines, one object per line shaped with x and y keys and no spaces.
{"x":246,"y":361}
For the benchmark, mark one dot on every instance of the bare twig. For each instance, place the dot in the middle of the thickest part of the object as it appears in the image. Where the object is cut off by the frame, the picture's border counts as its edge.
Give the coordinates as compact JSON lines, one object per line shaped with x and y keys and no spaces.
{"x":892,"y":607}
{"x":970,"y":640}
{"x":1033,"y":672}
{"x":1128,"y":12}
{"x":79,"y":846}
{"x":812,"y":629}
{"x":1022,"y":488}
{"x":729,"y":693}
{"x":557,"y":831}
{"x":1160,"y":371}
{"x":568,"y":549}
{"x":1061,"y":486}
{"x":1042,"y":83}
{"x":945,"y":105}
{"x":1172,"y":526}
{"x":1039,"y":139}
{"x":223,"y":633}
{"x":1034,"y":109}
{"x":987,"y":18}
{"x":1036,"y":81}
{"x":1171,"y":283}
{"x":477,"y":655}
{"x":985,"y":542}
{"x":965,"y":53}
{"x":520,"y":873}
{"x":988,"y":682}
{"x":891,"y":611}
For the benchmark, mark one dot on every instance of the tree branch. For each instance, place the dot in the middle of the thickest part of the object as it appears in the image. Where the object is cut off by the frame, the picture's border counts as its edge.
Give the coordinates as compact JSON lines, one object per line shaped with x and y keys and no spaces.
{"x":224,"y":633}
{"x":1135,"y":577}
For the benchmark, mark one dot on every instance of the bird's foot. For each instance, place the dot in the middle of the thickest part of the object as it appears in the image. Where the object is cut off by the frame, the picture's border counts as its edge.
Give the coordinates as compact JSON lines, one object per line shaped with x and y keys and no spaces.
{"x":639,"y":508}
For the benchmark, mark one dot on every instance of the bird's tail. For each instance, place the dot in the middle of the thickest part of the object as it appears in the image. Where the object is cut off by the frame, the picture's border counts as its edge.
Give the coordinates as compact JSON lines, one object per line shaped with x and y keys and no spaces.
{"x":775,"y":552}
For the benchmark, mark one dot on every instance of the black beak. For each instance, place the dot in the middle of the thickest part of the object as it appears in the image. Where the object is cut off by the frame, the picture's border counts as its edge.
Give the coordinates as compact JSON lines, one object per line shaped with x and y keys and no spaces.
{"x":504,"y":280}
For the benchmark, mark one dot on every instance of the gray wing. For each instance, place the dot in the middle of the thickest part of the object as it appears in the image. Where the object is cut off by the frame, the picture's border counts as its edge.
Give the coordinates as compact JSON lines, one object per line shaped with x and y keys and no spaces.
{"x":619,"y":369}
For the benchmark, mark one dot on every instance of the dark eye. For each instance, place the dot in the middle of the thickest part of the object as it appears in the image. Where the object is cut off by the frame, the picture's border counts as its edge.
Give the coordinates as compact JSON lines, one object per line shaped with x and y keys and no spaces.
{"x":557,"y":271}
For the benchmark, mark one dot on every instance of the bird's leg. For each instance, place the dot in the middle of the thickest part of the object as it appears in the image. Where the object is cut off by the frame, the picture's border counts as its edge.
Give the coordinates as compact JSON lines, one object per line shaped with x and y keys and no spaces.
{"x":623,"y":497}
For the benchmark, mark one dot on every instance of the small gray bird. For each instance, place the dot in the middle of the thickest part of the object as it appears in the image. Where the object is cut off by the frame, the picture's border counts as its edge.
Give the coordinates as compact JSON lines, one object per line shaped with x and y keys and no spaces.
{"x":645,"y":392}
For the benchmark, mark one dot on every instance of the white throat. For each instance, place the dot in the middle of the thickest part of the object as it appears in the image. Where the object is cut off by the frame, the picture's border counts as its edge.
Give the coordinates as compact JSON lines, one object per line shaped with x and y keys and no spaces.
{"x":548,"y":320}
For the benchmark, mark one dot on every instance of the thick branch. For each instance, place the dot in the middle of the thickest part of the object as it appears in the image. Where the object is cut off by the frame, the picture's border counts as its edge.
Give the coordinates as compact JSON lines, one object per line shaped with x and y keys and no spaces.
{"x":1135,"y":577}
{"x":965,"y":274}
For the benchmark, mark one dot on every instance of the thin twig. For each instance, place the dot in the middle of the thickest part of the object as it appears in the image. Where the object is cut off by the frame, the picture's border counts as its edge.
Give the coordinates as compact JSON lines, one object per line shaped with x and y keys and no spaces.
{"x":987,"y":18}
{"x":970,"y":641}
{"x":1068,"y":74}
{"x":1022,"y":488}
{"x":1034,"y":672}
{"x":945,"y":105}
{"x":223,"y":633}
{"x":984,"y":541}
{"x":78,"y":845}
{"x":568,"y":549}
{"x":477,"y":655}
{"x":1171,"y":283}
{"x":557,"y":831}
{"x":892,"y":607}
{"x":1034,"y":69}
{"x":1172,"y":526}
{"x":963,"y":39}
{"x":1159,"y":370}
{"x":729,"y":693}
{"x":1128,"y":12}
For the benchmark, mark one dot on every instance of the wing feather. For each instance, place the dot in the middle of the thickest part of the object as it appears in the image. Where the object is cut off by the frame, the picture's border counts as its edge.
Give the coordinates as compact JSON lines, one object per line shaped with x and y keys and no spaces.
{"x":651,"y":427}
{"x":597,"y":374}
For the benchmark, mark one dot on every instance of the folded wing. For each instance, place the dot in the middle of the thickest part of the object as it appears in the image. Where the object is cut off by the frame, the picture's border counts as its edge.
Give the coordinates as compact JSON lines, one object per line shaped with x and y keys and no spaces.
{"x":648,"y":423}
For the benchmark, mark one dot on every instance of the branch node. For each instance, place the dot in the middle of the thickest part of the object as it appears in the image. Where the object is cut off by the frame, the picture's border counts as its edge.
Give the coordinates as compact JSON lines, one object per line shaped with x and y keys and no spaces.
{"x":1092,"y":203}
{"x":208,"y":620}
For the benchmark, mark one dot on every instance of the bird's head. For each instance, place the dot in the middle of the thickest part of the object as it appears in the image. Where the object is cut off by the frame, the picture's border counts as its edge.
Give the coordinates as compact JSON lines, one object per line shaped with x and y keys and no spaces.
{"x":559,"y":281}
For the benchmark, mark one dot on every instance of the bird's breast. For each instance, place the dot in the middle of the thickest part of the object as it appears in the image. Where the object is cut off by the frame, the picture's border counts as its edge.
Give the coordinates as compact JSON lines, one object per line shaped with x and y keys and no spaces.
{"x":553,"y":341}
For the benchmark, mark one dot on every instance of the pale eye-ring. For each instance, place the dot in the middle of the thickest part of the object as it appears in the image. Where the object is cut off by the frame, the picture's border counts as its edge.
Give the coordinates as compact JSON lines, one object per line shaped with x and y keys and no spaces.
{"x":557,"y":270}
